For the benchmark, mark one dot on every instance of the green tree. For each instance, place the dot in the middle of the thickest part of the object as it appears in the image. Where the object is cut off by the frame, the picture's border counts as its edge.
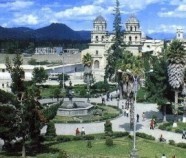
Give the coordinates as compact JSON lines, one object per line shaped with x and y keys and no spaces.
{"x":29,"y":109}
{"x":157,"y":87}
{"x":8,"y":124}
{"x":87,"y":60}
{"x":39,"y":75}
{"x":176,"y":62}
{"x":116,"y":51}
{"x":117,"y":24}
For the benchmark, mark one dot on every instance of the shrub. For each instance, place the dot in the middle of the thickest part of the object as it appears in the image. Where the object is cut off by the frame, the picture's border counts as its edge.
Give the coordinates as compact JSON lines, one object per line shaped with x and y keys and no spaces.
{"x":51,"y":130}
{"x":77,"y":138}
{"x":168,"y":128}
{"x":109,"y":141}
{"x":172,"y":142}
{"x":64,"y":138}
{"x":88,"y":137}
{"x":120,"y":134}
{"x":108,"y":127}
{"x":165,"y":125}
{"x":181,"y":145}
{"x":145,"y":136}
{"x":89,"y":144}
{"x":177,"y":130}
{"x":63,"y":154}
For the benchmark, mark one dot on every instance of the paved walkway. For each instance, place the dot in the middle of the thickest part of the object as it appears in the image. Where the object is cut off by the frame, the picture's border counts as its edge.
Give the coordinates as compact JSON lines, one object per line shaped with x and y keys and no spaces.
{"x":121,"y":123}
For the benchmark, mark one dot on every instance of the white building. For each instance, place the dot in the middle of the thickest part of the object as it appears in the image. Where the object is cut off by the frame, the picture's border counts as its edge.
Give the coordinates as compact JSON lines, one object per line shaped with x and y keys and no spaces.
{"x":48,"y":50}
{"x":136,"y":42}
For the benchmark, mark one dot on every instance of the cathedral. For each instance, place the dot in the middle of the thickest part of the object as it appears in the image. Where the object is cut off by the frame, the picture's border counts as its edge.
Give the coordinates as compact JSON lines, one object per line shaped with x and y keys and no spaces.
{"x":101,"y":40}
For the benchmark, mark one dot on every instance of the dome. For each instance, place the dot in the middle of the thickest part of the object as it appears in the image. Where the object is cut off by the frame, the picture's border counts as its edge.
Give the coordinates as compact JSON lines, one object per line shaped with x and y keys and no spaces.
{"x":99,"y":19}
{"x":132,"y":19}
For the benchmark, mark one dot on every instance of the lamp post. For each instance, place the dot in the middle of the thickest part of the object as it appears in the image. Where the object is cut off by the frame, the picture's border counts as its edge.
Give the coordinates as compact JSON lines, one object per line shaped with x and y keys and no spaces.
{"x":63,"y":88}
{"x":88,"y":79}
{"x":134,"y":153}
{"x":184,"y":102}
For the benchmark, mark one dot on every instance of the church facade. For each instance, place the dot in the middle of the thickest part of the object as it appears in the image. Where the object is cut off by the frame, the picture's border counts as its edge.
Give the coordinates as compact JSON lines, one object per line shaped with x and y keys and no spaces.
{"x":135,"y":40}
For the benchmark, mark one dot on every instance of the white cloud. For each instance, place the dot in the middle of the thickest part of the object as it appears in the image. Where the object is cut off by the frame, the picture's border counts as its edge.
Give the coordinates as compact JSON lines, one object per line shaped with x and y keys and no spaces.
{"x":87,"y":10}
{"x":165,"y":28}
{"x":26,"y":20}
{"x":17,"y":4}
{"x":179,"y":12}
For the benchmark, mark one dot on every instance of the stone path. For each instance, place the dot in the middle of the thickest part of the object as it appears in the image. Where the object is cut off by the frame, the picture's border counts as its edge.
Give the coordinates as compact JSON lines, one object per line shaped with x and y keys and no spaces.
{"x":121,"y":123}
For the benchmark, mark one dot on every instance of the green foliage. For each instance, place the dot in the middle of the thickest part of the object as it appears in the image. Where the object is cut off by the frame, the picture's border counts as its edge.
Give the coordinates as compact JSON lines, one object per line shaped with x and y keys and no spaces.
{"x":64,"y":138}
{"x":120,"y":134}
{"x":117,"y":24}
{"x":109,"y":141}
{"x":51,"y":111}
{"x":39,"y":75}
{"x":6,"y":97}
{"x":89,"y":144}
{"x":62,"y":154}
{"x":51,"y":130}
{"x":100,"y":86}
{"x":108,"y":128}
{"x":8,"y":122}
{"x":66,"y":77}
{"x":17,"y":74}
{"x":172,"y":142}
{"x":181,"y":145}
{"x":176,"y":52}
{"x":87,"y":60}
{"x":157,"y":85}
{"x":165,"y":125}
{"x":145,"y":136}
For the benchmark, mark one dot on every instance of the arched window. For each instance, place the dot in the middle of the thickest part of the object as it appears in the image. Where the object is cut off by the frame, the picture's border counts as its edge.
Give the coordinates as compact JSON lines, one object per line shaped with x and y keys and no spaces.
{"x":96,"y":52}
{"x":131,"y":28}
{"x":96,"y":38}
{"x":130,"y":38}
{"x":102,"y":38}
{"x":135,"y":28}
{"x":96,"y":64}
{"x":136,"y":38}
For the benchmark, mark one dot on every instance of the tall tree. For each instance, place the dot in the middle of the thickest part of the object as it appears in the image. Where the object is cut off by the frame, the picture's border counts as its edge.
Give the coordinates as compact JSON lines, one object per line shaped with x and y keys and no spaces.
{"x":157,"y":87}
{"x":39,"y":75}
{"x":29,"y":109}
{"x":115,"y":52}
{"x":87,"y":60}
{"x":117,"y":24}
{"x":176,"y":62}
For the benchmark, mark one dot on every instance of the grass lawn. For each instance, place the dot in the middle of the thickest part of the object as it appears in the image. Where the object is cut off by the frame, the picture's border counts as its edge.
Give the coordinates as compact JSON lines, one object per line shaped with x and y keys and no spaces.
{"x":121,"y":149}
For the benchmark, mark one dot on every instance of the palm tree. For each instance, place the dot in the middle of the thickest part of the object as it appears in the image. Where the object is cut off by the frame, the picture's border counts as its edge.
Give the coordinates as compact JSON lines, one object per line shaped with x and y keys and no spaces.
{"x":88,"y":77}
{"x":87,"y":60}
{"x":176,"y":62}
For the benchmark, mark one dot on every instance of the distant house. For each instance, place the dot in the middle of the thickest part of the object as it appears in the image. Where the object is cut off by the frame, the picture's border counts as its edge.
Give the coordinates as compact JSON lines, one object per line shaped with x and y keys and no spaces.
{"x":48,"y":50}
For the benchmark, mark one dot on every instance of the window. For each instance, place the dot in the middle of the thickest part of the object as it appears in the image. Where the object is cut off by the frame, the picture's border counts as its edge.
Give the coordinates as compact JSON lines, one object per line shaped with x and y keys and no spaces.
{"x":96,"y":52}
{"x":131,"y":28}
{"x":3,"y":70}
{"x":96,"y":64}
{"x":130,"y":38}
{"x":102,"y":38}
{"x":96,"y":38}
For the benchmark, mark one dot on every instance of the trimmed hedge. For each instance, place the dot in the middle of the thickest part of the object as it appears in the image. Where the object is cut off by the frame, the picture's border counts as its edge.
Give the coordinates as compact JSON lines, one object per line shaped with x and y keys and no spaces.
{"x":181,"y":145}
{"x":145,"y":136}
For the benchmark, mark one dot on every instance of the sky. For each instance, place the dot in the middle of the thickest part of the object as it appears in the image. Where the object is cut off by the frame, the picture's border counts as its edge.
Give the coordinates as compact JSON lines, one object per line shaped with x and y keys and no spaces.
{"x":154,"y":15}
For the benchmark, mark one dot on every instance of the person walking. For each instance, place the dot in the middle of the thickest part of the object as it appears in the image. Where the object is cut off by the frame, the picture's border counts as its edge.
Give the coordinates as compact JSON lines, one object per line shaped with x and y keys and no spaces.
{"x":127,"y":112}
{"x":82,"y":131}
{"x":143,"y":116}
{"x":137,"y":116}
{"x":77,"y":131}
{"x":184,"y":134}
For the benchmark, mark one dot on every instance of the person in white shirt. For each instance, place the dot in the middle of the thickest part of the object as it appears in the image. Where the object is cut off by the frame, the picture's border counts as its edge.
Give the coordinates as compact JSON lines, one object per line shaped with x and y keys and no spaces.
{"x":163,"y":156}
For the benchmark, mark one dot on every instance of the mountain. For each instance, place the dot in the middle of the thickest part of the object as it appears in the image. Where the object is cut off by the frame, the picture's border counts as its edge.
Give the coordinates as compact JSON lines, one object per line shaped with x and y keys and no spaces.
{"x":55,"y":31}
{"x":162,"y":35}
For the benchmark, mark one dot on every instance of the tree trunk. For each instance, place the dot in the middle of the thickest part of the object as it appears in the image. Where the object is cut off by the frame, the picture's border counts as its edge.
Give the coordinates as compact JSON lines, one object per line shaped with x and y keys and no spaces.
{"x":23,"y":149}
{"x":176,"y":110}
{"x":164,"y":113}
